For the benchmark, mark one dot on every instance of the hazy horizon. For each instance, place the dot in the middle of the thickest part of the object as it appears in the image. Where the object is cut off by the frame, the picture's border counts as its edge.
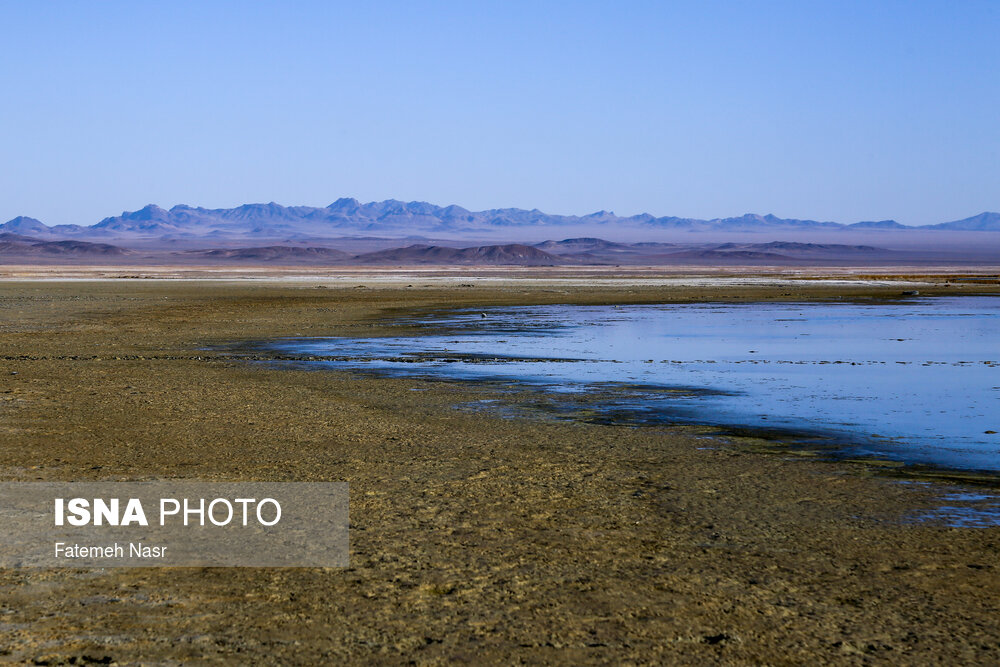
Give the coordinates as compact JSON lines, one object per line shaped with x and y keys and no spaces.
{"x":845,"y":113}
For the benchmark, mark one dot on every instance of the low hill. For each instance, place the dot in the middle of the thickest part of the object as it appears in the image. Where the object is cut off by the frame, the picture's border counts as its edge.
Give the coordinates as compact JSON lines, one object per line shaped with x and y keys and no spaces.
{"x":272,"y":254}
{"x":16,"y":245}
{"x":514,"y":253}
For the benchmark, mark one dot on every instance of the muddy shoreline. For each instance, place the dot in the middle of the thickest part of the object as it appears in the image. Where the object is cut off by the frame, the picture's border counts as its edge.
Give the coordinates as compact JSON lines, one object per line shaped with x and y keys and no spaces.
{"x":474,"y":538}
{"x":599,"y":405}
{"x":526,"y":394}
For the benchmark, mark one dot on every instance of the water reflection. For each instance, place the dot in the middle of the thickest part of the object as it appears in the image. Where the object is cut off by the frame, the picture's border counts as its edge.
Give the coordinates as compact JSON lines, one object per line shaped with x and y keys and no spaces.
{"x":916,"y":381}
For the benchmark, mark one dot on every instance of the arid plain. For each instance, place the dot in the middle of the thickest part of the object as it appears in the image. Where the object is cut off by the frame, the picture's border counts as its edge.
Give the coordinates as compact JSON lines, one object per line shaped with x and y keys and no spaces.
{"x":473,"y":538}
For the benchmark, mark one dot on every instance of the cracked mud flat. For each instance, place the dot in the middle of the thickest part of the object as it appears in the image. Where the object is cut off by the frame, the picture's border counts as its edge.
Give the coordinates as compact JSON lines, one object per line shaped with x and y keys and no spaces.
{"x":475,"y":538}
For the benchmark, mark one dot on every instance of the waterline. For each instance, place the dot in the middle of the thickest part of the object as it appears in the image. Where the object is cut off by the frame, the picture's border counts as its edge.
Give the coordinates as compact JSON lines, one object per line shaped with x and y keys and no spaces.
{"x":916,"y":382}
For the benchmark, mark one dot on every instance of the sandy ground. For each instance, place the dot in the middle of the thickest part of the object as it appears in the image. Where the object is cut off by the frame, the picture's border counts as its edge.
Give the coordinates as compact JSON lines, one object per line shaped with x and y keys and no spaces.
{"x":430,"y":275}
{"x":474,"y":539}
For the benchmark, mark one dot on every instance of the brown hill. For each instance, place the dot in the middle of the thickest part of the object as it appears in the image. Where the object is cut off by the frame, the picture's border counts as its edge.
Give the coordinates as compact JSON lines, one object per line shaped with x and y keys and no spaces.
{"x":514,"y":253}
{"x":275,"y":253}
{"x":15,"y":245}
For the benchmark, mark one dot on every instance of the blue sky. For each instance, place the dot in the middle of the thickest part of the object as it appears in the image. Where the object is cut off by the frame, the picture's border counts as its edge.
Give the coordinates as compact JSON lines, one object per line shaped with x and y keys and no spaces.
{"x":840,"y":111}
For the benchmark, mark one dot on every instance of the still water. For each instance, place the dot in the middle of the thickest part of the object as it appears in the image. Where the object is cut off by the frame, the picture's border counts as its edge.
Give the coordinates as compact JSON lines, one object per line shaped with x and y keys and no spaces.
{"x":917,"y":381}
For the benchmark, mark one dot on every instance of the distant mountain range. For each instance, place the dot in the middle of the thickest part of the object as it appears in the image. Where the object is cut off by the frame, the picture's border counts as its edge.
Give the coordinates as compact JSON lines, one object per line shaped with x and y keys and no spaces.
{"x":393,"y":218}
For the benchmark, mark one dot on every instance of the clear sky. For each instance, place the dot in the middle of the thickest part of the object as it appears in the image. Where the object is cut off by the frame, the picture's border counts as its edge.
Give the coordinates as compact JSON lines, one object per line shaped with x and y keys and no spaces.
{"x":834,"y":110}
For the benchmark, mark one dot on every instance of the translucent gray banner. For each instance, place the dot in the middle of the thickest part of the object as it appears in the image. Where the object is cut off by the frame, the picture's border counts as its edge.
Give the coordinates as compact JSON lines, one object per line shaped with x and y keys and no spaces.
{"x":173,"y":523}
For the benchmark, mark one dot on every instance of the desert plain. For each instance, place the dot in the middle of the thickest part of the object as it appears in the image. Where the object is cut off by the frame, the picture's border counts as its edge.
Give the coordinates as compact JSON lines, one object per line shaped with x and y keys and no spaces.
{"x":474,"y":538}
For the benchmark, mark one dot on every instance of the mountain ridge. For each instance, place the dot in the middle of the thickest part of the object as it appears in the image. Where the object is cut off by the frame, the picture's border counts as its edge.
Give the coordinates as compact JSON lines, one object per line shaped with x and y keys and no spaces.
{"x":391,"y":216}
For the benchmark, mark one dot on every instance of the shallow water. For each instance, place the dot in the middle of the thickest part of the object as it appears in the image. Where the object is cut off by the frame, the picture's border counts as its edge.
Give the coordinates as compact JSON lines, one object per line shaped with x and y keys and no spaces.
{"x":917,"y":381}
